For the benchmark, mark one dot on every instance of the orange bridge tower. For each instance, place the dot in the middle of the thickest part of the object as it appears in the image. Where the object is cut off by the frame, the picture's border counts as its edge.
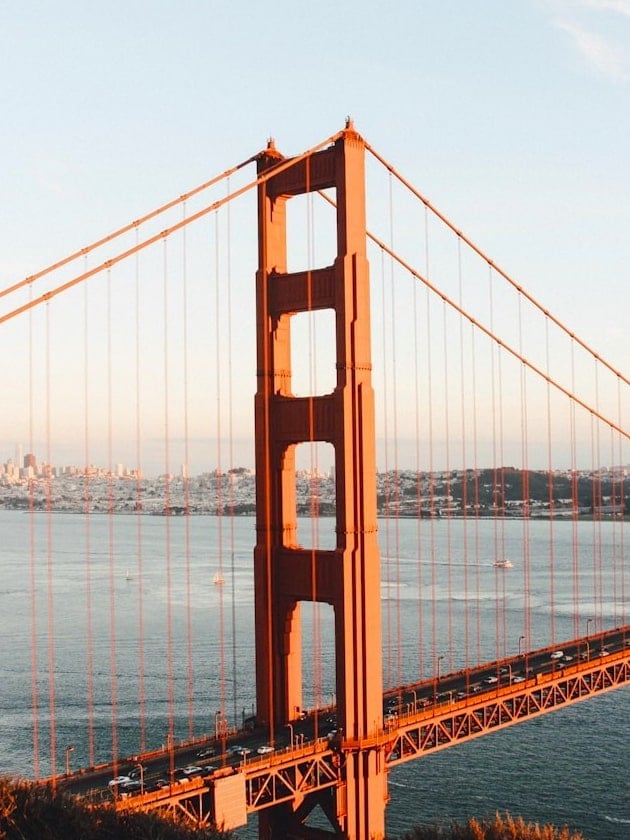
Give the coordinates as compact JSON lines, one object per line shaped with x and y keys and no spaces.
{"x":347,"y":577}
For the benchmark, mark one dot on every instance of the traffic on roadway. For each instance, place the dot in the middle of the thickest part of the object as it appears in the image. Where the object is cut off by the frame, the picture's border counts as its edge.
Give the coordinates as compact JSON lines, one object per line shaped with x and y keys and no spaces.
{"x":203,"y":759}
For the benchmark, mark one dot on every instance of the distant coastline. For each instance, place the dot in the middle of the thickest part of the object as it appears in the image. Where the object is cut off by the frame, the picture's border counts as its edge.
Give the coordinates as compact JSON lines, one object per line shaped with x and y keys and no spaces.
{"x":470,"y":494}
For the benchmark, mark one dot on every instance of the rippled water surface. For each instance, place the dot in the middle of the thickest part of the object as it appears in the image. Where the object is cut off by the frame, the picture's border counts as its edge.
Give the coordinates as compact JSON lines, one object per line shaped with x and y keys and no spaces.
{"x":570,"y":767}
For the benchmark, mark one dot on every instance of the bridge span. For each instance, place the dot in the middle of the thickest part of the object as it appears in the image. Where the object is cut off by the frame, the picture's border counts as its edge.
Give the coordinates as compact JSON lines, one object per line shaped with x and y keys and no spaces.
{"x":224,"y":780}
{"x":517,"y":495}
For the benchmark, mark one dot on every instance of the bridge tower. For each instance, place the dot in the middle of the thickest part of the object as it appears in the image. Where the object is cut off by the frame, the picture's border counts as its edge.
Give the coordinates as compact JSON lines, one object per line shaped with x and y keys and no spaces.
{"x":286,"y":574}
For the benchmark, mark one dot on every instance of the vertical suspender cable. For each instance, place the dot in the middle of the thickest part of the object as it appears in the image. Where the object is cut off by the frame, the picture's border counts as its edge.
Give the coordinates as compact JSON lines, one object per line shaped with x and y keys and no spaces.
{"x":434,"y":639}
{"x":575,"y":557}
{"x":431,"y":477}
{"x":395,"y":490}
{"x":49,"y":552}
{"x":186,"y":487}
{"x":476,"y":495}
{"x":386,"y":481}
{"x":502,"y":510}
{"x":597,"y":513}
{"x":89,"y":641}
{"x":110,"y":526}
{"x":464,"y":459}
{"x":525,"y":479}
{"x":32,"y":556}
{"x":447,"y":448}
{"x":267,"y":386}
{"x":167,"y":518}
{"x":552,"y":559}
{"x":419,"y":530}
{"x":495,"y":478}
{"x":622,"y":514}
{"x":230,"y":387}
{"x":614,"y":505}
{"x":219,"y":474}
{"x":314,"y":494}
{"x":139,"y":541}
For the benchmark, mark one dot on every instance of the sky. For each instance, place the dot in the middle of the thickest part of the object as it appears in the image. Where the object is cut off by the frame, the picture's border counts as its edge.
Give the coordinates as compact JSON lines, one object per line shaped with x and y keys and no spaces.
{"x":511,"y":116}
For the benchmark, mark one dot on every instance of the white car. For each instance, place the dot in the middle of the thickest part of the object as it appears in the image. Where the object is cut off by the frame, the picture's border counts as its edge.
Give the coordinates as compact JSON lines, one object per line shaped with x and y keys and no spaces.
{"x":265,"y":749}
{"x":192,"y":770}
{"x":557,"y":654}
{"x":119,"y":780}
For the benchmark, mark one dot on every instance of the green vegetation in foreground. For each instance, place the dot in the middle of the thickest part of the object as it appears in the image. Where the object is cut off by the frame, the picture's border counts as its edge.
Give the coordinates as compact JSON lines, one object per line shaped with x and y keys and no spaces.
{"x":500,"y":828}
{"x":37,"y":812}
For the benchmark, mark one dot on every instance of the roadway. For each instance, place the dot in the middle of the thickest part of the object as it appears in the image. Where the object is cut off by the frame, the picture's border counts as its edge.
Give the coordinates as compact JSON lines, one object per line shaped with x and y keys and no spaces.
{"x":233,"y":751}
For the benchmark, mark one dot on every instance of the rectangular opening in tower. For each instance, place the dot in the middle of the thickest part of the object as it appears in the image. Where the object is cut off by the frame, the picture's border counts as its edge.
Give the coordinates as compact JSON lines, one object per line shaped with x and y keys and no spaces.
{"x":313,"y":353}
{"x":315,"y":495}
{"x":311,"y":232}
{"x":318,"y":658}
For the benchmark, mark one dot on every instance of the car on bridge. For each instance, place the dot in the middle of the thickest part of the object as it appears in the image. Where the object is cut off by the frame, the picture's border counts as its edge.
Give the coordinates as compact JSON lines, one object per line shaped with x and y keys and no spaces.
{"x":192,"y":770}
{"x":119,"y":780}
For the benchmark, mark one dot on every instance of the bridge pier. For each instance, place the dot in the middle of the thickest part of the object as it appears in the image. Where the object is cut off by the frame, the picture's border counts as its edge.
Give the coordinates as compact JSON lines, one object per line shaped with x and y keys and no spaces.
{"x":347,"y":577}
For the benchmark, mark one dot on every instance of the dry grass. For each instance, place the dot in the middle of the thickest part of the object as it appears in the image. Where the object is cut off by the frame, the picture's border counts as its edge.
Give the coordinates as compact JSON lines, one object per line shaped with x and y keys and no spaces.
{"x":500,"y":828}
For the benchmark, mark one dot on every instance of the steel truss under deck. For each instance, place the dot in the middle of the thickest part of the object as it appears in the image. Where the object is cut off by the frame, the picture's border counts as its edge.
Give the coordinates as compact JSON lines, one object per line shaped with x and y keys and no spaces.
{"x":318,"y":767}
{"x":442,"y":727}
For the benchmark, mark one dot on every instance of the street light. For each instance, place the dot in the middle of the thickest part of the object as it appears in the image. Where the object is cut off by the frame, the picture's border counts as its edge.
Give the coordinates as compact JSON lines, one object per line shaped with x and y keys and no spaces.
{"x":217,"y":718}
{"x":290,"y":727}
{"x":588,"y":647}
{"x":520,"y":649}
{"x":437,"y":679}
{"x":69,"y":749}
{"x":141,"y":769}
{"x":439,"y":659}
{"x":415,"y":699}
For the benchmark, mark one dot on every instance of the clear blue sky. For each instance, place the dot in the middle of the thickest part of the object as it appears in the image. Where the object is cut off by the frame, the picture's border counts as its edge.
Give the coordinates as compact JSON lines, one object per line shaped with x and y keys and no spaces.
{"x":512,"y":116}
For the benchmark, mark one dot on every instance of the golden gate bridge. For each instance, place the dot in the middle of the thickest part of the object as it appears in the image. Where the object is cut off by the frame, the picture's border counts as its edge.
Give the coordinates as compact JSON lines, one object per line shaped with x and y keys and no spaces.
{"x":384,"y":342}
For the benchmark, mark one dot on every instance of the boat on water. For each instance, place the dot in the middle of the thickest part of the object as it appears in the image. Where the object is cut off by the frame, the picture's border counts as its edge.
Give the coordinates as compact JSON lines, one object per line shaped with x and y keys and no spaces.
{"x":219,"y":580}
{"x":503,"y":564}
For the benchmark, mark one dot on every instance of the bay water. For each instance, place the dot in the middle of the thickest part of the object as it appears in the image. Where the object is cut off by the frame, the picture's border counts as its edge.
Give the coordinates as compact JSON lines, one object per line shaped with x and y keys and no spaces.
{"x":98,"y":612}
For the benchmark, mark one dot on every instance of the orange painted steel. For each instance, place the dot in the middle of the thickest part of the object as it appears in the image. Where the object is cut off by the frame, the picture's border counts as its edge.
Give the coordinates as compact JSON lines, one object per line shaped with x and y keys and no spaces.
{"x":480,"y":253}
{"x":290,"y":778}
{"x":285,"y":573}
{"x":453,"y":722}
{"x":499,"y":341}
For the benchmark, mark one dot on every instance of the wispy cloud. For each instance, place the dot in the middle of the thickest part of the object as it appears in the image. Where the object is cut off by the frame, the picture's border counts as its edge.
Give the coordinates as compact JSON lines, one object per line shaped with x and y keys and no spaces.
{"x":621,"y":6}
{"x":600,"y":52}
{"x":588,"y":23}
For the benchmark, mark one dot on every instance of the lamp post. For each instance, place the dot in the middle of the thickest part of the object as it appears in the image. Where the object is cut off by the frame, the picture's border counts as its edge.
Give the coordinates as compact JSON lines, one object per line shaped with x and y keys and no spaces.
{"x":217,"y":717}
{"x":415,"y":699}
{"x":69,"y":749}
{"x":141,"y":769}
{"x":588,"y":646}
{"x":439,"y":659}
{"x":437,"y":678}
{"x":290,"y":728}
{"x":521,"y":639}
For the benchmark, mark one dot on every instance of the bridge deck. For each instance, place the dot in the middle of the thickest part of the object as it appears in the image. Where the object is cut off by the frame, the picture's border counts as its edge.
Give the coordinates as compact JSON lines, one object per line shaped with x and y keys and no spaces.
{"x":418,"y":719}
